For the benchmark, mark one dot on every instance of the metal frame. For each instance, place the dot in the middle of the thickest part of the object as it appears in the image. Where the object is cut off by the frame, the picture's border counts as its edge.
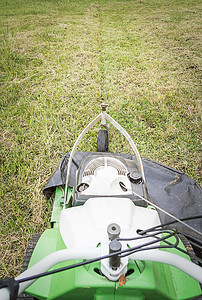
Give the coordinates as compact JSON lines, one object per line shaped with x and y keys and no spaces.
{"x":103,"y":116}
{"x":54,"y":258}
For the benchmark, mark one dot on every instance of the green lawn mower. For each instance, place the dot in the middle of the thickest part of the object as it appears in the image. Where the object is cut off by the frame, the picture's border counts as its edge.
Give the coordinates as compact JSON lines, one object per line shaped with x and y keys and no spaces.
{"x":122,"y":227}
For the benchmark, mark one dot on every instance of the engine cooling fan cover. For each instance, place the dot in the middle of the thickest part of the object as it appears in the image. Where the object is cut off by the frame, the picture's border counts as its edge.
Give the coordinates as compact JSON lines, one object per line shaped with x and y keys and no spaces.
{"x":101,"y":176}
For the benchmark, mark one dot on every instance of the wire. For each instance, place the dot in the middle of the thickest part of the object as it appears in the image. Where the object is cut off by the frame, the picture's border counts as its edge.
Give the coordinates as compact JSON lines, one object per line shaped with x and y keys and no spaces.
{"x":146,"y":235}
{"x":172,"y":222}
{"x":155,"y":247}
{"x":68,"y":267}
{"x":128,"y":251}
{"x":143,"y":247}
{"x":148,"y":248}
{"x":91,"y":260}
{"x":167,"y":242}
{"x":122,"y":185}
{"x":193,"y":241}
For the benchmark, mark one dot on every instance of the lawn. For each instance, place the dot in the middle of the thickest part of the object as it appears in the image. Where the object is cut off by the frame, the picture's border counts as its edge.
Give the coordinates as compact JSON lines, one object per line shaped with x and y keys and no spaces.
{"x":58,"y":61}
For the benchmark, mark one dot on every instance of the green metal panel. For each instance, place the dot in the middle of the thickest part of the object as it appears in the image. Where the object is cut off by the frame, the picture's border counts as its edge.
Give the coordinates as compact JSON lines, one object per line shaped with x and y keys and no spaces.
{"x":148,"y":281}
{"x":58,"y":205}
{"x":184,"y":286}
{"x":49,"y":242}
{"x":152,"y":280}
{"x":72,"y":283}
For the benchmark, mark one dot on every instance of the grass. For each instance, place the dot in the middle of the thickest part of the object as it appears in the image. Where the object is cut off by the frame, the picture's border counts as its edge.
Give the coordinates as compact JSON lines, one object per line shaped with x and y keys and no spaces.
{"x":58,"y":61}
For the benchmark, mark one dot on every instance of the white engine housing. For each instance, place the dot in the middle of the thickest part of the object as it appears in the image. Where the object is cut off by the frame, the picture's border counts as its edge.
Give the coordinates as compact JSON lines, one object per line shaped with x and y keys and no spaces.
{"x":86,"y":226}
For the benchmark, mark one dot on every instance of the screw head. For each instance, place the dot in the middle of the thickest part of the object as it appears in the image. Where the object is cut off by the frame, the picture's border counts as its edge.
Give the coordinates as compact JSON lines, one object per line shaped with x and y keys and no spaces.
{"x":103,"y":106}
{"x":113,"y":231}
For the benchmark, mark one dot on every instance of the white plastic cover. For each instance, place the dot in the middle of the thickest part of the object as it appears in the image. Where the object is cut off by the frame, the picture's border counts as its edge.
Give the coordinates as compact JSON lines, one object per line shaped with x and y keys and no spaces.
{"x":86,"y":226}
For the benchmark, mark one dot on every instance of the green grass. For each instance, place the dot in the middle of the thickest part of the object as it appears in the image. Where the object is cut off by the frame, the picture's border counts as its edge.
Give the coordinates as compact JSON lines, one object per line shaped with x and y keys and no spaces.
{"x":58,"y":60}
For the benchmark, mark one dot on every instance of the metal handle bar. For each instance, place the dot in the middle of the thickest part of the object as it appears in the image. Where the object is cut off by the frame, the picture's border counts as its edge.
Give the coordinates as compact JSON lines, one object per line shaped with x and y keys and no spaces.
{"x":54,"y":258}
{"x":103,"y":116}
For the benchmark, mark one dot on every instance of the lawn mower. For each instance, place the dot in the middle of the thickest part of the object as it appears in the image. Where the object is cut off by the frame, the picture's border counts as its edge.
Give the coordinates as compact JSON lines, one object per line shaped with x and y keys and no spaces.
{"x":122,"y":227}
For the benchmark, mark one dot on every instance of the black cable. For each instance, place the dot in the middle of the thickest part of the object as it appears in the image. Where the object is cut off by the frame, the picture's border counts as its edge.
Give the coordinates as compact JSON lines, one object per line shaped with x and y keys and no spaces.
{"x":139,"y":248}
{"x":169,"y":223}
{"x":155,"y":247}
{"x":122,"y":185}
{"x":66,"y":268}
{"x":167,"y":242}
{"x":170,"y":246}
{"x":127,"y":251}
{"x":178,"y":248}
{"x":148,"y":248}
{"x":184,"y":251}
{"x":88,"y":261}
{"x":154,"y":235}
{"x":147,"y":235}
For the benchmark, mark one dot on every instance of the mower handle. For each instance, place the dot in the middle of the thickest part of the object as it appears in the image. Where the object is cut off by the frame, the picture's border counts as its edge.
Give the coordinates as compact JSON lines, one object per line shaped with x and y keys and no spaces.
{"x":103,"y":116}
{"x":54,"y":258}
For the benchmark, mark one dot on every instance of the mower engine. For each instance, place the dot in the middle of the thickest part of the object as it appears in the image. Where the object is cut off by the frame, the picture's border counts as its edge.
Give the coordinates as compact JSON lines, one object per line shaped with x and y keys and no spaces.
{"x":104,"y":176}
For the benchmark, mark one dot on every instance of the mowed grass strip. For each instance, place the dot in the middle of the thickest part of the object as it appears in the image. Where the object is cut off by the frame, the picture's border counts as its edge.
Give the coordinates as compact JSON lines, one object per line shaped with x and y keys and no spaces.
{"x":58,"y":61}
